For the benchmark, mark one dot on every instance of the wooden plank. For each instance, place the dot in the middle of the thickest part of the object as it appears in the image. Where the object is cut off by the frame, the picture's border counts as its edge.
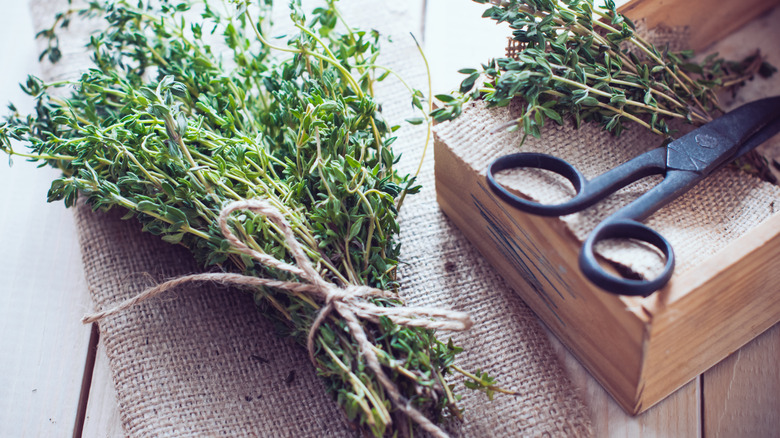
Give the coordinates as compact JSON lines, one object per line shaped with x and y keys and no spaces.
{"x":742,"y":393}
{"x":678,"y":415}
{"x":102,"y":416}
{"x":42,"y":293}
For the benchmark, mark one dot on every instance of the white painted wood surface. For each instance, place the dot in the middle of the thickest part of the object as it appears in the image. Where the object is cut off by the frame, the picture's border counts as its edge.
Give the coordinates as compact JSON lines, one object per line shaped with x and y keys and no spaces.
{"x":102,"y":416}
{"x":43,"y":346}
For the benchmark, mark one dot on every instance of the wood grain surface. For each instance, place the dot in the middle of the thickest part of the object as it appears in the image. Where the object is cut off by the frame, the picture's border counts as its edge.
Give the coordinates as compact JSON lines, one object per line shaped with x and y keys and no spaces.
{"x":43,"y":346}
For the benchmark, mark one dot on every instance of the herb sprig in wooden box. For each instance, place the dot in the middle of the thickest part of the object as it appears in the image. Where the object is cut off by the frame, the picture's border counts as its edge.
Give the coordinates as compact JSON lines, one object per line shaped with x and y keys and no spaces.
{"x":726,"y":234}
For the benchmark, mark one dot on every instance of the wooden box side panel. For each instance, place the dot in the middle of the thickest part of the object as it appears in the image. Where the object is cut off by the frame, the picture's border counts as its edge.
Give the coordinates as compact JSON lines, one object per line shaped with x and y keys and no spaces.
{"x":537,"y":257}
{"x":706,"y":21}
{"x":735,"y":296}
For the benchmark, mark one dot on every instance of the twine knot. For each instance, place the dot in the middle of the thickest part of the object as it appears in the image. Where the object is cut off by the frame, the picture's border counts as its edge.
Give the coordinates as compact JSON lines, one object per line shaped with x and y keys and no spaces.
{"x":343,"y":294}
{"x":350,"y":301}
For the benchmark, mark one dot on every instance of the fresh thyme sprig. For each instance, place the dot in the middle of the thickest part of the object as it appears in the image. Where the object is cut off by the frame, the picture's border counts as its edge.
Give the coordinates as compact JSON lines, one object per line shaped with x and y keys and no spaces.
{"x":574,"y":59}
{"x":171,"y":128}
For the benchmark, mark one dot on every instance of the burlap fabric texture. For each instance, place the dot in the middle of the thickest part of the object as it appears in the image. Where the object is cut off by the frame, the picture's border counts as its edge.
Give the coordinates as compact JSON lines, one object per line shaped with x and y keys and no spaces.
{"x":206,"y":363}
{"x":702,"y":222}
{"x":716,"y":212}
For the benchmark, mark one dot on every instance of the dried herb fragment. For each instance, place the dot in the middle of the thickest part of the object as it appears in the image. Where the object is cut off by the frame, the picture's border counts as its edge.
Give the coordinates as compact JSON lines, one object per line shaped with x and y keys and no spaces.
{"x":189,"y":107}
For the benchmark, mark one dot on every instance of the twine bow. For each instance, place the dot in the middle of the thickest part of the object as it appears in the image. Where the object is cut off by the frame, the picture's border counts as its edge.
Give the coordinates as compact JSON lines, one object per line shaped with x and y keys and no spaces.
{"x":350,"y":302}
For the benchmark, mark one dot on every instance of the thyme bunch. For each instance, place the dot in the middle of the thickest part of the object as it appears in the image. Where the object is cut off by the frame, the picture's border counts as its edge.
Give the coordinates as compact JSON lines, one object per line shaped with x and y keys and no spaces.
{"x":587,"y":62}
{"x":188,"y":107}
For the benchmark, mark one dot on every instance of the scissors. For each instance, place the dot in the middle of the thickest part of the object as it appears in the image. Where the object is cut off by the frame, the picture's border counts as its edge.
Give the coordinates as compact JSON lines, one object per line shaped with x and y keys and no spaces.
{"x":683,"y":163}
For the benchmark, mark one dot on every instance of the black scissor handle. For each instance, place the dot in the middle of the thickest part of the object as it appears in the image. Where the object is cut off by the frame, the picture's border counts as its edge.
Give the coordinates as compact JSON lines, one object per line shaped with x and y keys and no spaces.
{"x":532,"y":160}
{"x":588,"y":192}
{"x":621,"y":225}
{"x":625,"y":229}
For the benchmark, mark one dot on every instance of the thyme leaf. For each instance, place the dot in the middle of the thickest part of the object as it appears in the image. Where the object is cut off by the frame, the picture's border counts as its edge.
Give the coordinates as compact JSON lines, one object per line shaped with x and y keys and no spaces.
{"x":190,"y":105}
{"x":571,"y":59}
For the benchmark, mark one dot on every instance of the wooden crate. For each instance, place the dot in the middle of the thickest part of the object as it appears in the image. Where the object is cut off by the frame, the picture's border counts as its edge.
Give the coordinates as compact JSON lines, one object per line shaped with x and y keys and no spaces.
{"x":706,"y":21}
{"x":639,"y":349}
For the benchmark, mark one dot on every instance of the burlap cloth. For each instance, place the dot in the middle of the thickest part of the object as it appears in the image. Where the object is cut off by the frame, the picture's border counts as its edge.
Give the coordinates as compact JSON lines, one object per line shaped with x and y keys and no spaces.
{"x":206,"y":363}
{"x":717,"y":211}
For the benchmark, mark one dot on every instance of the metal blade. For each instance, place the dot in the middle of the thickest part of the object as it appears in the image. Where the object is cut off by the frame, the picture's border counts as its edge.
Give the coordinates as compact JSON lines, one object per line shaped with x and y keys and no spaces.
{"x":759,"y":137}
{"x":726,"y":137}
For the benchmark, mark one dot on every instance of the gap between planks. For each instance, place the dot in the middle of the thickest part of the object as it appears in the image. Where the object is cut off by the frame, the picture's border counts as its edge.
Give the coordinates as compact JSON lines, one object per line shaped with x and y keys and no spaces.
{"x":86,"y":381}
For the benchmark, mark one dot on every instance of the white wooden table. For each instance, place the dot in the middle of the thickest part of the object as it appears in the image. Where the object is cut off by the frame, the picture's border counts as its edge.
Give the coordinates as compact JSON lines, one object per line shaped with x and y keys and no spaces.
{"x":54,"y":377}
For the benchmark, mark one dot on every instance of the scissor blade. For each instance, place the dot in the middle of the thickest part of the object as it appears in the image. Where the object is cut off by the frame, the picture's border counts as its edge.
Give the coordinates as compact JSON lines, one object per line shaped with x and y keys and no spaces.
{"x":759,"y":137}
{"x":726,"y":137}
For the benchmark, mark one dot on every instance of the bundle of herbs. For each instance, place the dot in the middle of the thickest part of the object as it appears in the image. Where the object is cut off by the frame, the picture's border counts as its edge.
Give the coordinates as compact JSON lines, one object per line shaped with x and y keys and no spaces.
{"x":189,"y":108}
{"x":571,"y":59}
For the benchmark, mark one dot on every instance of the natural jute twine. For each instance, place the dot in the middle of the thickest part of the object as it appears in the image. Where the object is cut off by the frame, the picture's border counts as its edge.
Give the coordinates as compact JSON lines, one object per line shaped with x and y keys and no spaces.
{"x":351,"y":301}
